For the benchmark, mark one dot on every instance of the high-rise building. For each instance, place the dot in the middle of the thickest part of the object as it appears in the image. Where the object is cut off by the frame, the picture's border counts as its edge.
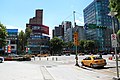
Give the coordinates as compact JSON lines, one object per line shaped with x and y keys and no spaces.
{"x":66,"y":25}
{"x":65,"y":31}
{"x":38,"y":19}
{"x":38,"y":41}
{"x":81,"y":32}
{"x":68,"y":35}
{"x":97,"y":13}
{"x":58,"y":31}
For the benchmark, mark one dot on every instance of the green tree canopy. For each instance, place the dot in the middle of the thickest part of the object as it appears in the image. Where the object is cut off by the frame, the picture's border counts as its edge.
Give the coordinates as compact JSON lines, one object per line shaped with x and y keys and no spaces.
{"x":28,"y":31}
{"x":88,"y":45}
{"x":21,"y":39}
{"x":118,"y":33}
{"x":82,"y":43}
{"x":3,"y":35}
{"x":69,"y":45}
{"x":115,"y":7}
{"x":56,"y":45}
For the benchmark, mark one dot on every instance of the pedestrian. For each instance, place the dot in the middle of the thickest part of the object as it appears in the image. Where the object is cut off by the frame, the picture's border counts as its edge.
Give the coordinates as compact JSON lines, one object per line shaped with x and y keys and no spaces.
{"x":100,"y":55}
{"x":112,"y":54}
{"x":119,"y":55}
{"x":34,"y":58}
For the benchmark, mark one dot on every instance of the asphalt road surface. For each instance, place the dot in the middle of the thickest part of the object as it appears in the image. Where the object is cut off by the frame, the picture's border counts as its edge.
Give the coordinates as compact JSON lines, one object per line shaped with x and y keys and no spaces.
{"x":55,"y":68}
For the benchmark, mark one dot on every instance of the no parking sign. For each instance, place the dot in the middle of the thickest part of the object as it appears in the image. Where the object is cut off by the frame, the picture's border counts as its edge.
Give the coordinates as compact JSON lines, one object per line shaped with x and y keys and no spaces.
{"x":114,"y":40}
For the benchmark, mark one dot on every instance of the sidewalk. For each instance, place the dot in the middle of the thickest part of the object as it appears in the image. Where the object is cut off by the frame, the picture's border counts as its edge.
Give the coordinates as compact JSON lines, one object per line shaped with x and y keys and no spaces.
{"x":65,"y":72}
{"x":12,"y":70}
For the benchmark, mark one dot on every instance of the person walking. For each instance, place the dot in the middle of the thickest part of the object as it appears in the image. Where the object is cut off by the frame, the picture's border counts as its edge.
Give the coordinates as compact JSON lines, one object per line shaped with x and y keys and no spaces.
{"x":112,"y":54}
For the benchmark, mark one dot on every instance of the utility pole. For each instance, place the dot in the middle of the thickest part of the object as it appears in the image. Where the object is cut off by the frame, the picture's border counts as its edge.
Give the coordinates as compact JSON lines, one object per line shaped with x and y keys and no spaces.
{"x":75,"y":41}
{"x":112,"y":14}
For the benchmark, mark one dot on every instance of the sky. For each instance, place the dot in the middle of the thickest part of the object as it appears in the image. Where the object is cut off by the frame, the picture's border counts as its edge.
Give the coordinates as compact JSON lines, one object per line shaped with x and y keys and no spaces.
{"x":14,"y":14}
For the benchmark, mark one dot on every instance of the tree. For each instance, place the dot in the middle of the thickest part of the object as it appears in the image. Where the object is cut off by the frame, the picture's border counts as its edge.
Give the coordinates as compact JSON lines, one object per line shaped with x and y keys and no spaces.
{"x":87,"y":45}
{"x":28,"y":31}
{"x":22,"y":42}
{"x":82,"y":42}
{"x":56,"y":45}
{"x":118,"y":33}
{"x":22,"y":37}
{"x":115,"y":7}
{"x":69,"y":45}
{"x":3,"y":35}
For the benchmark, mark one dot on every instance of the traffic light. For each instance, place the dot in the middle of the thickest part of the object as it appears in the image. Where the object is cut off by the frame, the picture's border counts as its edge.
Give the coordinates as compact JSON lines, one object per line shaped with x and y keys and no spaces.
{"x":9,"y":49}
{"x":76,"y":39}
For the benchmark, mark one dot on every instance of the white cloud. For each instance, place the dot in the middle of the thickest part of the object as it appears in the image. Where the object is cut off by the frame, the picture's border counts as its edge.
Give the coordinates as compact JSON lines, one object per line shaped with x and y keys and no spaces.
{"x":78,"y":22}
{"x":14,"y":27}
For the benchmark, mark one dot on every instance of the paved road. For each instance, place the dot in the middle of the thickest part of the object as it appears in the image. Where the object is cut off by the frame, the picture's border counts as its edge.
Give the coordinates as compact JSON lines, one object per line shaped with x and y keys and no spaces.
{"x":61,"y":68}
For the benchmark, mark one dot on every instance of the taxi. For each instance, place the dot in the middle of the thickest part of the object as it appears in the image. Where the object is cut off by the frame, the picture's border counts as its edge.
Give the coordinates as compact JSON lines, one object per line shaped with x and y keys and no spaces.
{"x":93,"y":61}
{"x":43,"y":55}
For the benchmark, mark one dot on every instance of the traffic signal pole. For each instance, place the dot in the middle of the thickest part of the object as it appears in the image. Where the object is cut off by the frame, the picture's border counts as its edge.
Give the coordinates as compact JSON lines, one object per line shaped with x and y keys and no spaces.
{"x":75,"y":41}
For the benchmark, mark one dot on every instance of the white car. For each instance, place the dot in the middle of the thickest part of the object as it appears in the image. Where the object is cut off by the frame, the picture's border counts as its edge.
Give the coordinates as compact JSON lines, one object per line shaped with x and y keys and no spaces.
{"x":1,"y":59}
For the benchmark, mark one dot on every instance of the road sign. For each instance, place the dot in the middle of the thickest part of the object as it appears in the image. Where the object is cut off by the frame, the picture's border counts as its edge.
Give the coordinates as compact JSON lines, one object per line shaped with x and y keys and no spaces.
{"x":114,"y":40}
{"x":113,"y":36}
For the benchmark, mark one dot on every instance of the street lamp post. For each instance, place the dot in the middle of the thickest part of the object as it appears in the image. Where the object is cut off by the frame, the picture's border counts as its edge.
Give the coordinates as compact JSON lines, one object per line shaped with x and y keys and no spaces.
{"x":112,"y":14}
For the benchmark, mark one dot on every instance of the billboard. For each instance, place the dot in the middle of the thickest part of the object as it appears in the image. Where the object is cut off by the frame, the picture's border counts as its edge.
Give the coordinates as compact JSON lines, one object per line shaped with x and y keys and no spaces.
{"x":38,"y":28}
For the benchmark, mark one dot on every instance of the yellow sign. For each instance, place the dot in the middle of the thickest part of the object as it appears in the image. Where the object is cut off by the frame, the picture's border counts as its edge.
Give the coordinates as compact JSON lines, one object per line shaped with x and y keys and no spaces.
{"x":76,"y":39}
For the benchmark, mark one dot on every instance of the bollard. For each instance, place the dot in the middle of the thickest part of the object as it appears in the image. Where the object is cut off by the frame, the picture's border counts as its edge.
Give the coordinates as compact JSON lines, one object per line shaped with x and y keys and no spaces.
{"x":39,"y":58}
{"x":56,"y":59}
{"x":52,"y":58}
{"x":47,"y":59}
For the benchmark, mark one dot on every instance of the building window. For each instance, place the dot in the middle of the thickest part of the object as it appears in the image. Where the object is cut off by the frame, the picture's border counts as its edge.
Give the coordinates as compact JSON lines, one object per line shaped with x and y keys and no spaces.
{"x":12,"y":47}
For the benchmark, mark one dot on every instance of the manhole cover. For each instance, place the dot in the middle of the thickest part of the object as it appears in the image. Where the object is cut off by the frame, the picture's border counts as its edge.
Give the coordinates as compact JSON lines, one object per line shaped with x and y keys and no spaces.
{"x":48,"y":66}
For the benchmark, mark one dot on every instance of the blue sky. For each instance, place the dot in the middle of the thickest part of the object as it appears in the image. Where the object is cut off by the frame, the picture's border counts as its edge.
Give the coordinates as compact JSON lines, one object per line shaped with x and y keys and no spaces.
{"x":16,"y":13}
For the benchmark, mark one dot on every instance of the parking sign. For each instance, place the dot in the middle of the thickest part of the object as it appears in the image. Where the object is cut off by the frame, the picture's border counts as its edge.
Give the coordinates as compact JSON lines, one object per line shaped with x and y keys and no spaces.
{"x":114,"y":40}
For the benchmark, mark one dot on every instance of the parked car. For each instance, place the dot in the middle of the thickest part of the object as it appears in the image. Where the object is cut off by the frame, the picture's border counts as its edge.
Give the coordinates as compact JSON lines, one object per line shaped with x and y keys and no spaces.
{"x":42,"y":55}
{"x":13,"y":55}
{"x":1,"y":59}
{"x":93,"y":61}
{"x":24,"y":58}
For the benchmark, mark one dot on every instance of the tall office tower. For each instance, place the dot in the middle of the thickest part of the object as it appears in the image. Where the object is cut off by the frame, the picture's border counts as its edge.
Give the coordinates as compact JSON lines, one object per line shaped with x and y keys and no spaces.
{"x":38,"y":41}
{"x":81,"y":32}
{"x":66,"y":25}
{"x":97,"y":13}
{"x":58,"y":31}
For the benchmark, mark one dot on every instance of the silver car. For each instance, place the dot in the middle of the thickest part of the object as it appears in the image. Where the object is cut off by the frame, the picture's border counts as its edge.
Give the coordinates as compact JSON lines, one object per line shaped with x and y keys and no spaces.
{"x":1,"y":59}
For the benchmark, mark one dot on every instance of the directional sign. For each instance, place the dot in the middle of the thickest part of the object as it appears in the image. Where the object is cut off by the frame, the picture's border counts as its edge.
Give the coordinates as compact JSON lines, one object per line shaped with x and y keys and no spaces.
{"x":114,"y":40}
